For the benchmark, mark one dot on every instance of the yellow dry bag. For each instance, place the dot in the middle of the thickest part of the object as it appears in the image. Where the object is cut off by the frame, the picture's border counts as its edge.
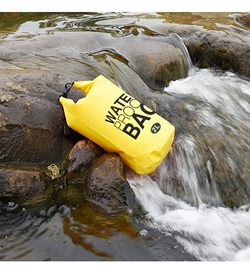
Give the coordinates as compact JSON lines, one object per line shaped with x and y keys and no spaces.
{"x":119,"y":123}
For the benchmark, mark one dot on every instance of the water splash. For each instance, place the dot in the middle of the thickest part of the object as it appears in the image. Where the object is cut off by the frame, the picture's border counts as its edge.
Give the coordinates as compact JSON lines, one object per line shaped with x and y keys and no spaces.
{"x":182,"y":196}
{"x":178,"y":43}
{"x":208,"y":233}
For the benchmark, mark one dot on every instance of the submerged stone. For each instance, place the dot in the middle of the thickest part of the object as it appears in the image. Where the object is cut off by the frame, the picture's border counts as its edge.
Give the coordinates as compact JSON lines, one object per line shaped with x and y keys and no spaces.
{"x":71,"y":195}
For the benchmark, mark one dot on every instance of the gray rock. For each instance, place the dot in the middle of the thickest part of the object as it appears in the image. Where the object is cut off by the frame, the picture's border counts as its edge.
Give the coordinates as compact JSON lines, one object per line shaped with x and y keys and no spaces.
{"x":157,"y":63}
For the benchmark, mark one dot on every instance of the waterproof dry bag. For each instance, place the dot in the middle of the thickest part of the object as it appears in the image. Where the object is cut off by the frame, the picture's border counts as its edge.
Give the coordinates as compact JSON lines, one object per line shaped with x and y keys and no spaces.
{"x":119,"y":123}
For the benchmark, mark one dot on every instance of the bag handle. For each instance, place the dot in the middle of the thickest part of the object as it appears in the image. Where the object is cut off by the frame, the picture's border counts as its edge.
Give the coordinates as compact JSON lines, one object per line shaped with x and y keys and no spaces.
{"x":68,"y":86}
{"x":84,"y":86}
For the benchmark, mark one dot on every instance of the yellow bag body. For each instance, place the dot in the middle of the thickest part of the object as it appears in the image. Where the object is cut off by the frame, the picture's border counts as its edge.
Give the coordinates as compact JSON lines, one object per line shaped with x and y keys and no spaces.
{"x":119,"y":123}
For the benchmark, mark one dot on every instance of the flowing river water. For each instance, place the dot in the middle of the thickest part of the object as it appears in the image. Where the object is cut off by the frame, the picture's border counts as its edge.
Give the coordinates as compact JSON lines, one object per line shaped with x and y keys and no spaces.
{"x":191,"y":224}
{"x":206,"y":228}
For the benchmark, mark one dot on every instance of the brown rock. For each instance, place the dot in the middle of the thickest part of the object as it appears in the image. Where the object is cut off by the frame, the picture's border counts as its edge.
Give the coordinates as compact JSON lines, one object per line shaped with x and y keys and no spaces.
{"x":223,"y":48}
{"x":106,"y":183}
{"x":244,"y":19}
{"x":31,"y":118}
{"x":82,"y":155}
{"x":22,"y":186}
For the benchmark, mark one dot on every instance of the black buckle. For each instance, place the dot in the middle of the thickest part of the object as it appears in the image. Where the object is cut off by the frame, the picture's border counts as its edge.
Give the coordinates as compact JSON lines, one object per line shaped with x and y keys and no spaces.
{"x":68,"y":86}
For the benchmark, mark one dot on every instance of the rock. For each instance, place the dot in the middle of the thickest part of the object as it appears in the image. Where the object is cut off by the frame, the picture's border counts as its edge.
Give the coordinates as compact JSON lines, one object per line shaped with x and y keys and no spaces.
{"x":31,"y":119}
{"x":218,"y":51}
{"x":157,"y":63}
{"x":226,"y":48}
{"x":81,"y":156}
{"x":54,"y":171}
{"x":22,"y":186}
{"x":244,"y":19}
{"x":106,"y":184}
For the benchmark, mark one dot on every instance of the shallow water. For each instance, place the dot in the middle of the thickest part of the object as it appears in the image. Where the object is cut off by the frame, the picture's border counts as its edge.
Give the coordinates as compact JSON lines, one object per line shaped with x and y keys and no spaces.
{"x":183,"y":215}
{"x":29,"y":24}
{"x":83,"y":232}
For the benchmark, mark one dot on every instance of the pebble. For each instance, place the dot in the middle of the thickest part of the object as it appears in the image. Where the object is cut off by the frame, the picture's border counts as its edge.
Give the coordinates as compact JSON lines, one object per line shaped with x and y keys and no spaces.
{"x":54,"y":171}
{"x":42,"y":213}
{"x":143,"y":233}
{"x":10,"y":206}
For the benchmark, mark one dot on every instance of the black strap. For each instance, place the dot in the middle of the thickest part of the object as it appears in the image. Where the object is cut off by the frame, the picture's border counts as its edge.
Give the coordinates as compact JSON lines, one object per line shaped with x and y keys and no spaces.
{"x":68,"y":86}
{"x":72,"y":134}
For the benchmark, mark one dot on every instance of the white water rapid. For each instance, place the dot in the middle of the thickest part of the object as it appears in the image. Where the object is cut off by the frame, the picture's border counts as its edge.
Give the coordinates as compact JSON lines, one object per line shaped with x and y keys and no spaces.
{"x":196,"y":216}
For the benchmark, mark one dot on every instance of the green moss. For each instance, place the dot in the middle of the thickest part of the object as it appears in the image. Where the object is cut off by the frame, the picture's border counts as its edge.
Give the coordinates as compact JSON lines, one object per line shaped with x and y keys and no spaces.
{"x":71,"y":195}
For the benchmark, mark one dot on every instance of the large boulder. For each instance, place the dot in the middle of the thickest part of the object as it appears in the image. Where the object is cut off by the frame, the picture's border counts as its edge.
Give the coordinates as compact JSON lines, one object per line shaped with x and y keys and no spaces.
{"x":33,"y":74}
{"x":31,"y":119}
{"x":156,"y":62}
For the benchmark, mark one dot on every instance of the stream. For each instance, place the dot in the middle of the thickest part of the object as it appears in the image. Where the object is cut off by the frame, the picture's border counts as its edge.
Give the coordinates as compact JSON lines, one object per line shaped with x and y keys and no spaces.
{"x":206,"y":228}
{"x":180,"y":220}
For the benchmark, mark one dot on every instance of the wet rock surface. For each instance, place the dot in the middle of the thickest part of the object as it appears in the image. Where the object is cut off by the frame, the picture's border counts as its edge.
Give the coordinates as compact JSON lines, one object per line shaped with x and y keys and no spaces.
{"x":31,"y":120}
{"x":226,"y":48}
{"x":244,"y":19}
{"x":22,"y":186}
{"x":157,"y":63}
{"x":81,"y":156}
{"x":106,"y":183}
